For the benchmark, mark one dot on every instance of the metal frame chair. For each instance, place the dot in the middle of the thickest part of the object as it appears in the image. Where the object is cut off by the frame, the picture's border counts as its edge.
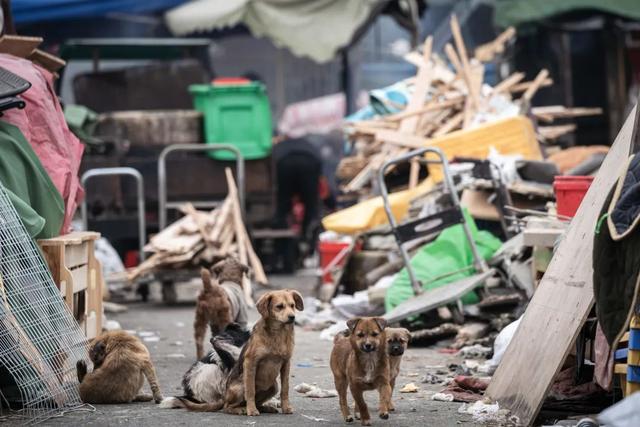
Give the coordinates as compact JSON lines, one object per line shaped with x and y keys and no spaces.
{"x":427,"y":225}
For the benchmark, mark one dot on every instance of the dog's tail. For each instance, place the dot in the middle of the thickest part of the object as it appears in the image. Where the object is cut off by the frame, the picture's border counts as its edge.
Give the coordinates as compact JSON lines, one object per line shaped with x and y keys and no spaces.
{"x":207,"y":283}
{"x":184,"y":402}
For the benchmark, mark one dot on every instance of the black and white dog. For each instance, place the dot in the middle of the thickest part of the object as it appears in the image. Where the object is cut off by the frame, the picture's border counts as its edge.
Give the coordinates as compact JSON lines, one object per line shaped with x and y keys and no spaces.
{"x":205,"y":382}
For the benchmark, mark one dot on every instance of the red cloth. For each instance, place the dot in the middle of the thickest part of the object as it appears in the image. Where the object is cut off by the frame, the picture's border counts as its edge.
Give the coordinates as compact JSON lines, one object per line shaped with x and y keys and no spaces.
{"x":466,"y":389}
{"x":43,"y":125}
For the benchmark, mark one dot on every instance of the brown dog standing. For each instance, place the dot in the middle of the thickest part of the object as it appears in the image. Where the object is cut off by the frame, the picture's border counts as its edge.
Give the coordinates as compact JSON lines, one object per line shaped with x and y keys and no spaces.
{"x":397,"y":342}
{"x":221,"y":301}
{"x":267,"y":354}
{"x":360,"y":362}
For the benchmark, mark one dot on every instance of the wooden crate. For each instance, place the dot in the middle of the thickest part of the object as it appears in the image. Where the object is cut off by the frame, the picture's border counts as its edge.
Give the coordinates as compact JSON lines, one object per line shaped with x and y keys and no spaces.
{"x":78,"y":275}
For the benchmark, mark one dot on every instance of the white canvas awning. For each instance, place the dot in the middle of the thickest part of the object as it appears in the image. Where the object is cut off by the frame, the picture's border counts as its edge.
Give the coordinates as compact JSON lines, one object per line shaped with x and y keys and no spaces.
{"x":314,"y":28}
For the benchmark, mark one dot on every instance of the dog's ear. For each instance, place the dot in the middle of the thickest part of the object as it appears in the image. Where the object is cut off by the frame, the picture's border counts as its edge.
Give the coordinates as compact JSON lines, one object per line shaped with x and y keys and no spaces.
{"x":297,"y":298}
{"x":264,"y":304}
{"x":217,"y":268}
{"x":406,"y":334}
{"x":352,"y":323}
{"x":382,"y":323}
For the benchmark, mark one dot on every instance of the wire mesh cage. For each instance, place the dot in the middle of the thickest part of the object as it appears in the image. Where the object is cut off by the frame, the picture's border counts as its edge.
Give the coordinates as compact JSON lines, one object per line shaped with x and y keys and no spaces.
{"x":40,"y":342}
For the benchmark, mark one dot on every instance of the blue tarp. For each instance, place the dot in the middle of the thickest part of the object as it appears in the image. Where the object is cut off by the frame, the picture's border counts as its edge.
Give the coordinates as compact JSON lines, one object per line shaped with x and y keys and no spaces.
{"x":30,"y":11}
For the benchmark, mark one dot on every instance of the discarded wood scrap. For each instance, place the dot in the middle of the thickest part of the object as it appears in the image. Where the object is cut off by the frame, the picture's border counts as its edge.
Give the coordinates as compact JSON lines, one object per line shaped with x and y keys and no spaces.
{"x":202,"y":238}
{"x":446,"y":95}
{"x":561,"y":303}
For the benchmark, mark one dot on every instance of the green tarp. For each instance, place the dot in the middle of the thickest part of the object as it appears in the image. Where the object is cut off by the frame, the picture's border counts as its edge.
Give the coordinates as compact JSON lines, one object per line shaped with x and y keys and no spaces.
{"x":517,"y":12}
{"x":449,"y":252}
{"x":35,"y":198}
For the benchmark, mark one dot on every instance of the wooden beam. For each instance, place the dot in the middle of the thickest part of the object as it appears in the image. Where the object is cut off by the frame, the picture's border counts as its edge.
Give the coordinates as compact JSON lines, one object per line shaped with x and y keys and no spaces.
{"x":561,"y":303}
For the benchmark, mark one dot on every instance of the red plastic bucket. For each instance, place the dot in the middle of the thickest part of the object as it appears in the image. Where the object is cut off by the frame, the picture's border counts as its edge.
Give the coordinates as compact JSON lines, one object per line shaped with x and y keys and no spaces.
{"x":328,"y":251}
{"x":570,"y":191}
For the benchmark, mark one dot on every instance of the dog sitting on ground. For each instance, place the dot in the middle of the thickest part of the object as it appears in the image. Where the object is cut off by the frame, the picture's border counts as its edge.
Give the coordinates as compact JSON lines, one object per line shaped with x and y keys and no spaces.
{"x":121,"y":362}
{"x":397,"y":342}
{"x":267,"y":354}
{"x":221,"y":302}
{"x":205,"y":382}
{"x":360,"y":362}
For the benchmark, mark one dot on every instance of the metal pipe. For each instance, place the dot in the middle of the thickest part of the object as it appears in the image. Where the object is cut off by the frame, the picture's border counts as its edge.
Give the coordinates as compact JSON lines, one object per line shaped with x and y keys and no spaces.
{"x":120,"y":171}
{"x":162,"y":174}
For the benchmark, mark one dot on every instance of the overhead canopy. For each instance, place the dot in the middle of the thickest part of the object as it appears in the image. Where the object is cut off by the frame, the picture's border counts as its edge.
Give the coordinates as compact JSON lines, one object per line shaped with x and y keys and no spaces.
{"x":317,"y":29}
{"x":30,"y":11}
{"x":517,"y":12}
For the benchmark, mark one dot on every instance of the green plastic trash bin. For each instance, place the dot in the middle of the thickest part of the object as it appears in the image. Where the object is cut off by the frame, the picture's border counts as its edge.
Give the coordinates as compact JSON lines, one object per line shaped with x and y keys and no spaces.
{"x":236,"y":114}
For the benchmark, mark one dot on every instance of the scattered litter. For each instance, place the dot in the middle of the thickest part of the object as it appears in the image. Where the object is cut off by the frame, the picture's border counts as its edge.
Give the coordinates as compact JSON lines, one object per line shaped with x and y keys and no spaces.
{"x":112,"y":325}
{"x":146,"y":334}
{"x":176,"y":356}
{"x":472,"y":365}
{"x":151,"y":339}
{"x":131,"y":332}
{"x":476,"y":351}
{"x":412,"y":374}
{"x":442,"y":397}
{"x":431,"y":379}
{"x":409,"y":388}
{"x":112,"y":307}
{"x":483,"y":412}
{"x":304,"y":365}
{"x":180,"y":324}
{"x":329,"y":333}
{"x":316,"y":419}
{"x":312,"y":390}
{"x":177,"y":343}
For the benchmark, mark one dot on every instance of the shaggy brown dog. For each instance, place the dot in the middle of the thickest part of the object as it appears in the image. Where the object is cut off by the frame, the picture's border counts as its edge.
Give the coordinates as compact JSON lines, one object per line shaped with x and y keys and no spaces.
{"x":121,"y":362}
{"x":360,"y":362}
{"x":397,"y":342}
{"x":267,"y":354}
{"x":221,"y":302}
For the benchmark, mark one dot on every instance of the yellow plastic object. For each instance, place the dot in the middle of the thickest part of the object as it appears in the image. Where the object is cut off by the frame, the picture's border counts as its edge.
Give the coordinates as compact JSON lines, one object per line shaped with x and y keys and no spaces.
{"x":370,"y":213}
{"x":514,"y":135}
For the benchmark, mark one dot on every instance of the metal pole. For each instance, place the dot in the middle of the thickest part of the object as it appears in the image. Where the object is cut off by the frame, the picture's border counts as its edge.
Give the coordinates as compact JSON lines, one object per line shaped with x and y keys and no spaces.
{"x":120,"y":171}
{"x":162,"y":174}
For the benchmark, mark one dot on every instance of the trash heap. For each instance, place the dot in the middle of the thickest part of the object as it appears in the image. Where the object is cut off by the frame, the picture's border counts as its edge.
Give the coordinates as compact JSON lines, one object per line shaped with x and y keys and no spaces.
{"x":202,"y":238}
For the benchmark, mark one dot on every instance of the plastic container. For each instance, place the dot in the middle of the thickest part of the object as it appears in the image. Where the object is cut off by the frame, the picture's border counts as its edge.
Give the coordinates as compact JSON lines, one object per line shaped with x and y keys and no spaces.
{"x":328,"y":252}
{"x":236,"y":114}
{"x":570,"y":190}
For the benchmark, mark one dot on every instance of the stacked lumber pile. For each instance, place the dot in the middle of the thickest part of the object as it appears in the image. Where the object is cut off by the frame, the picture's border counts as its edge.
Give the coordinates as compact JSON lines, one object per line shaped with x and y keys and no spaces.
{"x":203,"y":238}
{"x":448,"y":95}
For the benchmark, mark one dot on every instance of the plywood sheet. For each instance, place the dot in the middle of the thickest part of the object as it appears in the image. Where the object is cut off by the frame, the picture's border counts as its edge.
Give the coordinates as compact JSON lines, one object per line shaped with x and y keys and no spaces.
{"x":561,"y":303}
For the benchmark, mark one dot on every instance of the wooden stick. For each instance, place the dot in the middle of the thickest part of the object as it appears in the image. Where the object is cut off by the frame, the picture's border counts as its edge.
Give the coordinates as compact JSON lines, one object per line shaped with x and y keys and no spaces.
{"x":191,"y":211}
{"x":508,"y":83}
{"x":221,"y":220}
{"x":462,"y":50}
{"x":453,"y":58}
{"x":449,"y":125}
{"x":521,"y":87}
{"x":537,"y":82}
{"x":240,"y":236}
{"x":433,"y":105}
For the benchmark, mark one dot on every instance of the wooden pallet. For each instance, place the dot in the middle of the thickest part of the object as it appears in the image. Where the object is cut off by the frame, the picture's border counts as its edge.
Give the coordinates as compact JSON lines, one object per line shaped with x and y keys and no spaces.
{"x":78,"y":275}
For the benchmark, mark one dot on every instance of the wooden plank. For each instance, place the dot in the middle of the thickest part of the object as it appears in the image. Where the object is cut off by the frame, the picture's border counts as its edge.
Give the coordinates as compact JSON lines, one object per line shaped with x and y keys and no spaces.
{"x":76,"y":255}
{"x":434,"y":298}
{"x":561,"y":304}
{"x":47,"y":61}
{"x":20,"y":46}
{"x":76,"y":237}
{"x":80,"y":278}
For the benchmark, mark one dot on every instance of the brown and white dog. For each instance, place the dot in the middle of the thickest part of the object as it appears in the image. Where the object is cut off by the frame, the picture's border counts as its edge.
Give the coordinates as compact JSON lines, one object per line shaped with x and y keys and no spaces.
{"x":221,"y":302}
{"x":267,"y":355}
{"x":360,"y":362}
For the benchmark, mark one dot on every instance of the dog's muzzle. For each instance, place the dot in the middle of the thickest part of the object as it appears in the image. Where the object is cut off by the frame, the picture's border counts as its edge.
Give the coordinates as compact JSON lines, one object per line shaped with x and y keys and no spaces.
{"x":291,"y":319}
{"x":368,"y":348}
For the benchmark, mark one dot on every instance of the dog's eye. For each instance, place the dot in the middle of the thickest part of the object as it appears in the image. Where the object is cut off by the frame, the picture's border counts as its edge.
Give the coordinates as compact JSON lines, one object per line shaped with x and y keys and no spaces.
{"x":280,"y":306}
{"x":360,"y":334}
{"x":374,"y":334}
{"x":291,"y":305}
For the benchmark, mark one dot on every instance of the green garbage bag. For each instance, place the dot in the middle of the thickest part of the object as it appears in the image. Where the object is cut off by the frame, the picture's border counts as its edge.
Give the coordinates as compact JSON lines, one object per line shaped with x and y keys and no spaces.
{"x":449,"y":252}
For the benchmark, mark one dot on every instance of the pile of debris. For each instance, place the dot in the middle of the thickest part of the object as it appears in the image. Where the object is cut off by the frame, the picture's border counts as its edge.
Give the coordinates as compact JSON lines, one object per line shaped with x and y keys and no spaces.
{"x":456,"y":99}
{"x":203,"y":238}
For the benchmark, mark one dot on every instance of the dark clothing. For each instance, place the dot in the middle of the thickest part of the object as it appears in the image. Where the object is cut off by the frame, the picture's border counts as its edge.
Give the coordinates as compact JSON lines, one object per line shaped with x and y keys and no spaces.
{"x":299,"y":167}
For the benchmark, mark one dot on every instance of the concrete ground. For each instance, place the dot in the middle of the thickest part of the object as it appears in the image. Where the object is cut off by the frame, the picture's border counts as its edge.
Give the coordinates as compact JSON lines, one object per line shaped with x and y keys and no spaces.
{"x":169,"y":336}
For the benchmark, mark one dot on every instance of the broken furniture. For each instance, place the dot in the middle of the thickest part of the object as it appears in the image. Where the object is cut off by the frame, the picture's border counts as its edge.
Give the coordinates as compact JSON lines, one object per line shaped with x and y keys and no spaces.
{"x":78,"y":275}
{"x":430,"y":225}
{"x":628,"y":368}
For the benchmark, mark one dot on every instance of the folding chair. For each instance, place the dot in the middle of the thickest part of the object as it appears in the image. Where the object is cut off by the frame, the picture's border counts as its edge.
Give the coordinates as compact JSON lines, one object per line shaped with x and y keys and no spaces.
{"x":453,"y":292}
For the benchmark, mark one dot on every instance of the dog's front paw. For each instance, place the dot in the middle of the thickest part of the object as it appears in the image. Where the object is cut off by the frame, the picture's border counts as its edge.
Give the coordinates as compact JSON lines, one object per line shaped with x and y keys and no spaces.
{"x":348,"y":419}
{"x":253,"y":412}
{"x":391,"y":407}
{"x":157,"y":398}
{"x":384,"y":415}
{"x":287,"y":409}
{"x":365,"y":422}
